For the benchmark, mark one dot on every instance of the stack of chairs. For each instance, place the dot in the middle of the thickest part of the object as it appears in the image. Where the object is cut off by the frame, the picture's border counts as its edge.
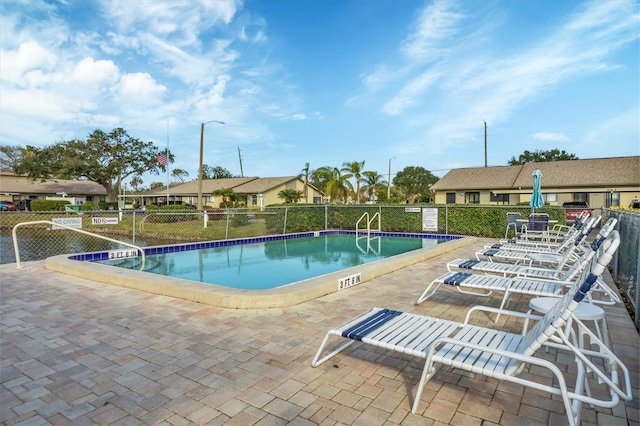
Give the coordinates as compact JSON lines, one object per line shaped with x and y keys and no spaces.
{"x":501,"y":354}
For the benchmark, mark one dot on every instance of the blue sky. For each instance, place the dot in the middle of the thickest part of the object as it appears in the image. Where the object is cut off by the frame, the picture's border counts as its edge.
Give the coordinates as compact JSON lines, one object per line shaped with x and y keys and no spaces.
{"x":409,"y":82}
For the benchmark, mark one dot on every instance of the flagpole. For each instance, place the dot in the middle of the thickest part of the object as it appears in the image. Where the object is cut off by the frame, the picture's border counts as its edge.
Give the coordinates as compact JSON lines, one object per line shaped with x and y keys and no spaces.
{"x":167,"y":151}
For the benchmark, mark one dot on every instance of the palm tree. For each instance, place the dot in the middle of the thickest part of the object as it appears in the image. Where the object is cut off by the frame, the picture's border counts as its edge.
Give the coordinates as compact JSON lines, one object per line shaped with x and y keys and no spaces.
{"x":373,"y":183}
{"x":338,"y":186}
{"x":179,"y":174}
{"x":355,"y":169}
{"x":290,"y":195}
{"x":305,"y":174}
{"x":321,"y":176}
{"x":228,"y":195}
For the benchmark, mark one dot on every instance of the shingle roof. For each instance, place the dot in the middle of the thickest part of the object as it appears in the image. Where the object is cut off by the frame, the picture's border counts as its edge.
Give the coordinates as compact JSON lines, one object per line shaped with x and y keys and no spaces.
{"x":617,"y":171}
{"x":208,"y":186}
{"x":12,"y":184}
{"x":263,"y":185}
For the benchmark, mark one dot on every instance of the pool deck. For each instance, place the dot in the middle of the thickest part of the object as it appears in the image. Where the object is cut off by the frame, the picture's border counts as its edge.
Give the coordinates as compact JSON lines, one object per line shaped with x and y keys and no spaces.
{"x":75,"y":351}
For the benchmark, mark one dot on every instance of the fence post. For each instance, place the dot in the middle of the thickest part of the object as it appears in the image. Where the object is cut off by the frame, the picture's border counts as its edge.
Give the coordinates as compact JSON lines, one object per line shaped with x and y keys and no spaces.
{"x":284,"y":230}
{"x":326,"y":216}
{"x":446,"y":220}
{"x":205,"y":218}
{"x":133,"y":227}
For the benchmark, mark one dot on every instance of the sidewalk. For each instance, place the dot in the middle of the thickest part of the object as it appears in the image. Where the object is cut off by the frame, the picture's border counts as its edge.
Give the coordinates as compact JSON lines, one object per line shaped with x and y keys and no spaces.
{"x":78,"y":352}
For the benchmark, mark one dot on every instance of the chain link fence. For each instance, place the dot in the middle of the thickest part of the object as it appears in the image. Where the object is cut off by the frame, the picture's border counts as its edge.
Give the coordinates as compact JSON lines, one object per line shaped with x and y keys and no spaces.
{"x":626,"y":264}
{"x":158,"y":227}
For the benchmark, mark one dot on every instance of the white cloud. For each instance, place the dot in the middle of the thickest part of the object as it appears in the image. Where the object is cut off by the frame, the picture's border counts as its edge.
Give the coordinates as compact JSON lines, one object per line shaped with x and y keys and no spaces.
{"x":436,"y":23}
{"x":411,"y":93}
{"x":28,"y":57}
{"x":451,"y":89}
{"x":623,"y":126}
{"x":549,"y":136}
{"x":182,"y":21}
{"x":89,"y":71}
{"x":140,"y":87}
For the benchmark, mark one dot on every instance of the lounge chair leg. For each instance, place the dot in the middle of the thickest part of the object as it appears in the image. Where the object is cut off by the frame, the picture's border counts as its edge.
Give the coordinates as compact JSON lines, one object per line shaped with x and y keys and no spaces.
{"x":316,"y":362}
{"x":426,"y":293}
{"x":503,"y":304}
{"x":427,"y":372}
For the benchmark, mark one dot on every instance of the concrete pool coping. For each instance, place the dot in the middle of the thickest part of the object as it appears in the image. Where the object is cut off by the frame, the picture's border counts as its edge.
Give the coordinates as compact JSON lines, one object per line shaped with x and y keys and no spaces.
{"x":225,"y":297}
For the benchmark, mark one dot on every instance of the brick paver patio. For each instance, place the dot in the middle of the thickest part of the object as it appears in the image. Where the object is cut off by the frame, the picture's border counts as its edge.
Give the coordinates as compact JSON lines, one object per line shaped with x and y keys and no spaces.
{"x":79,"y":352}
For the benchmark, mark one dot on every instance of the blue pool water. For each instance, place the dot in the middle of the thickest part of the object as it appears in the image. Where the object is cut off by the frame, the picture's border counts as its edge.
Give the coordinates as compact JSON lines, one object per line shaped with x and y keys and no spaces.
{"x":270,"y":264}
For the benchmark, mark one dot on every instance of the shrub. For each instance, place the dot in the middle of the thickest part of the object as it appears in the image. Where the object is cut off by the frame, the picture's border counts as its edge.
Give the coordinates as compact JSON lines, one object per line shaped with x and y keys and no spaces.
{"x":48,"y":205}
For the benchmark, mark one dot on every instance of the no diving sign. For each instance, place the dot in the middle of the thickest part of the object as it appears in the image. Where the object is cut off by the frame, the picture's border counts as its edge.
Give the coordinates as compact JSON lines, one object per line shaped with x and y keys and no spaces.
{"x":71,"y":222}
{"x":104,"y":220}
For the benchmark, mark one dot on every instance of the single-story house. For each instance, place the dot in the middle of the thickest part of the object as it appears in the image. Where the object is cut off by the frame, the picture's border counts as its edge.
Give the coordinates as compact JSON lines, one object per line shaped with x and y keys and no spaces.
{"x":259,"y":192}
{"x":600,"y":182}
{"x":15,"y":188}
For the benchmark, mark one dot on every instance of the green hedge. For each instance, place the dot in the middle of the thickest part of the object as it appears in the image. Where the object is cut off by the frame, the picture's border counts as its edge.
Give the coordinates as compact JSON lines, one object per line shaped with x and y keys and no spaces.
{"x":170,"y":218}
{"x":48,"y":205}
{"x":481,"y":221}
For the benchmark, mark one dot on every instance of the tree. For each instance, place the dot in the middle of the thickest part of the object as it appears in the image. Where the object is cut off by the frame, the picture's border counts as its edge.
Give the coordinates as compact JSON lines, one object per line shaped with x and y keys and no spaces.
{"x":179,"y":174}
{"x":229,"y":196}
{"x":135,"y":182}
{"x":104,"y":158}
{"x":10,"y":158}
{"x":290,"y":195}
{"x":156,"y":185}
{"x":321,"y":176}
{"x":540,"y":156}
{"x":305,"y":174}
{"x":216,"y":172}
{"x":338,"y":186}
{"x":374,"y":184}
{"x":415,"y":183}
{"x":354,"y":169}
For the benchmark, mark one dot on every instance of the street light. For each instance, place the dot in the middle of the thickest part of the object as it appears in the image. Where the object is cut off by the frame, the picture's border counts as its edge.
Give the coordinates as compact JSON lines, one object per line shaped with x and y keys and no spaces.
{"x":201,"y":155}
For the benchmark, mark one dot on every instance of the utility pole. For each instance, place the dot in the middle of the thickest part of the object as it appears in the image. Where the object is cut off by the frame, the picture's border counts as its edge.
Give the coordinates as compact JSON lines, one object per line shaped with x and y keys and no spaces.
{"x":240,"y":158}
{"x":485,"y":144}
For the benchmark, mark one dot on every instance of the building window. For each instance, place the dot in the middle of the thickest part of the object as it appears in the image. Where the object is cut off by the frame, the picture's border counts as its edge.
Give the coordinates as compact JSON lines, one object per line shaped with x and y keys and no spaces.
{"x":473,"y":197}
{"x":254,"y":200}
{"x":581,"y":196}
{"x":451,"y":197}
{"x":499,"y":198}
{"x":550,"y":198}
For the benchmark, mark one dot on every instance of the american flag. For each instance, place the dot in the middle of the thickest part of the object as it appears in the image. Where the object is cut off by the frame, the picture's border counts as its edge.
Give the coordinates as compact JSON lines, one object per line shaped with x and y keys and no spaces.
{"x":162,"y":158}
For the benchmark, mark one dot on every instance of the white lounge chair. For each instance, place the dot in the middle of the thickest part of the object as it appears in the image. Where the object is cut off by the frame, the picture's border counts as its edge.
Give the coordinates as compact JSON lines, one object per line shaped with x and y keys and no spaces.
{"x":557,"y":234}
{"x":537,"y":287}
{"x":557,"y":272}
{"x":570,"y":239}
{"x":566,"y":253}
{"x":495,"y":353}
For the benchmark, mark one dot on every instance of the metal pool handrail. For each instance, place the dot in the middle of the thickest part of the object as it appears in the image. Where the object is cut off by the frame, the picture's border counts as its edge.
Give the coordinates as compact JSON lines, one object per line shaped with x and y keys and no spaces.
{"x":15,"y":239}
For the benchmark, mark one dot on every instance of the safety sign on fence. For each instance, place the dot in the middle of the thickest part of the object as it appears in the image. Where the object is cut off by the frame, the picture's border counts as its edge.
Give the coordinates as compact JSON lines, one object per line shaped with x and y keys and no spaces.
{"x":104,"y":220}
{"x":71,"y":222}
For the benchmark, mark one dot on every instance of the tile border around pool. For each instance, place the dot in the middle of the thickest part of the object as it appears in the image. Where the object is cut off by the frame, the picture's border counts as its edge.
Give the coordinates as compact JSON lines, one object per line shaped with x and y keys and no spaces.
{"x":104,"y":255}
{"x":226,"y":297}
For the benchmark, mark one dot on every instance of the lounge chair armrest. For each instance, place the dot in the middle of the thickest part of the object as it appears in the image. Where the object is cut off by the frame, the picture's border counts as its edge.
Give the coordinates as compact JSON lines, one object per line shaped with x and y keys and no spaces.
{"x":499,"y":311}
{"x":524,"y":270}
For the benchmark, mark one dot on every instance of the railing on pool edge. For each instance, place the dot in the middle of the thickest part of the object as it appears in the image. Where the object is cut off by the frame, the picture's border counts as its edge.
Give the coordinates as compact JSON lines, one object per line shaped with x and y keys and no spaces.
{"x":17,"y":251}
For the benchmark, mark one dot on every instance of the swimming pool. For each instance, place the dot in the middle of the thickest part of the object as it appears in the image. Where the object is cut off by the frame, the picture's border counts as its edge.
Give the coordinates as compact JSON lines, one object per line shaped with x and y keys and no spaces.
{"x":273,"y":263}
{"x":352,"y":271}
